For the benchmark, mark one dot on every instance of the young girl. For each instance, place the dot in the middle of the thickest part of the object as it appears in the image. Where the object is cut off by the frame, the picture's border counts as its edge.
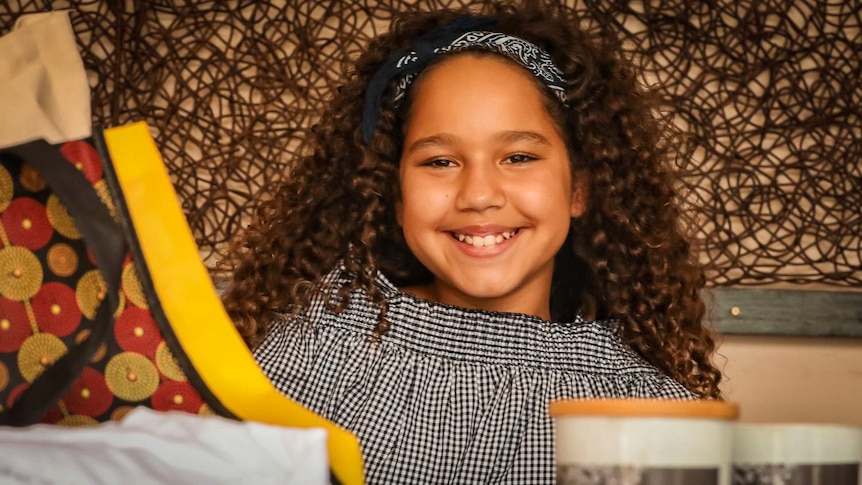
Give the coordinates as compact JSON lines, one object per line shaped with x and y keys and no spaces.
{"x":487,"y":222}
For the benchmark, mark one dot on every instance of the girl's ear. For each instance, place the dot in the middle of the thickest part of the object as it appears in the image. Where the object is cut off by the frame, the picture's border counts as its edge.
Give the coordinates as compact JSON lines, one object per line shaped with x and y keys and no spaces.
{"x":399,"y":214}
{"x":580,"y":192}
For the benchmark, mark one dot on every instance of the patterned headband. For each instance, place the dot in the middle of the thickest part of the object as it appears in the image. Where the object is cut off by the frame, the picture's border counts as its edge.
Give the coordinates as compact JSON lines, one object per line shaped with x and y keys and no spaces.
{"x":460,"y":34}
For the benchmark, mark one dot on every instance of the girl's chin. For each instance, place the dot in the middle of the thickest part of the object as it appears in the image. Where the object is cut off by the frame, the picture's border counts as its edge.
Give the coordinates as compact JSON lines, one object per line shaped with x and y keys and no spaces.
{"x":494,"y":291}
{"x":476,"y":295}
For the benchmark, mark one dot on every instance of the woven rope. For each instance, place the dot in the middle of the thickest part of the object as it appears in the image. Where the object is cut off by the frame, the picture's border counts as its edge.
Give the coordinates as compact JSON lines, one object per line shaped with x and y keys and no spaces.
{"x":767,"y":91}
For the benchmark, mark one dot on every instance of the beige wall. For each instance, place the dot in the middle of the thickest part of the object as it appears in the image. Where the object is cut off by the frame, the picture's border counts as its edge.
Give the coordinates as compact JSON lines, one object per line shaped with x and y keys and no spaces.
{"x":794,"y":379}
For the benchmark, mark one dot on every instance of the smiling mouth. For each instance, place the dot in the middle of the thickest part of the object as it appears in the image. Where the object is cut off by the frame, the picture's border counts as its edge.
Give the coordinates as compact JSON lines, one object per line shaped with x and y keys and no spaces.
{"x":484,"y":241}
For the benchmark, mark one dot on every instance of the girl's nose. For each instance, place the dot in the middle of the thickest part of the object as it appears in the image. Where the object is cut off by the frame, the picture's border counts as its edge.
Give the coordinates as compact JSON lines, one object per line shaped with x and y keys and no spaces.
{"x":480,"y":188}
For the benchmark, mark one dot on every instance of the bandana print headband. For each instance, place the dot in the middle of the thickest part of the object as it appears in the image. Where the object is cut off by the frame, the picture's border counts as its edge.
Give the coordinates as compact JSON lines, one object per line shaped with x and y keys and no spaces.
{"x":460,"y":34}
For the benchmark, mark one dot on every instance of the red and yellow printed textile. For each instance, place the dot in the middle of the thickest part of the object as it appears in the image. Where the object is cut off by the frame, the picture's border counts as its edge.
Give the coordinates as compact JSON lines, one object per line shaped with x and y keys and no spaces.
{"x":169,"y":346}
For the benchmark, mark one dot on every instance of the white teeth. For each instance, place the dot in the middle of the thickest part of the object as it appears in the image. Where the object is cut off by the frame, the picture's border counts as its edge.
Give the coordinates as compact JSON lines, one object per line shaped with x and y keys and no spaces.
{"x":485,"y":241}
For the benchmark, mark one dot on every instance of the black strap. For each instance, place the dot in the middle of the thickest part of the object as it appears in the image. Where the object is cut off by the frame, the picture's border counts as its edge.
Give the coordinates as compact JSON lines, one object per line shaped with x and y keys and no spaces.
{"x":104,"y":238}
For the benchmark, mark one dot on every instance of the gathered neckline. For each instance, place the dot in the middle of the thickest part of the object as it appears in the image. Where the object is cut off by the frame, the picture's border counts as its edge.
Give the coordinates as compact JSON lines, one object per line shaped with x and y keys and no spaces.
{"x":392,"y":292}
{"x":481,"y":336}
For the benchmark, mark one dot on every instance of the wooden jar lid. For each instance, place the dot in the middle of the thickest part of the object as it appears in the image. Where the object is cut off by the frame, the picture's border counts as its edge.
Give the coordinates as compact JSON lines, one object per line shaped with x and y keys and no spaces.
{"x":642,"y":408}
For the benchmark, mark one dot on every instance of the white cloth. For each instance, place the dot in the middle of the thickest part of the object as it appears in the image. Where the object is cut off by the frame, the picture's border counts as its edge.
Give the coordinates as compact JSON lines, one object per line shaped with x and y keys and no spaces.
{"x":153,"y":447}
{"x":43,"y":84}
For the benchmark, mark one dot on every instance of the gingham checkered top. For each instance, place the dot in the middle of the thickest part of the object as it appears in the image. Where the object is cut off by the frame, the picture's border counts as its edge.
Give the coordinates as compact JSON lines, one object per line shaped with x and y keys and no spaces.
{"x":450,"y":395}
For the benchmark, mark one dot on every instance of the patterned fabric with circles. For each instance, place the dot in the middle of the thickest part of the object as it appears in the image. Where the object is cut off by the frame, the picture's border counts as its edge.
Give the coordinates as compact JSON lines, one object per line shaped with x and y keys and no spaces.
{"x":50,"y":289}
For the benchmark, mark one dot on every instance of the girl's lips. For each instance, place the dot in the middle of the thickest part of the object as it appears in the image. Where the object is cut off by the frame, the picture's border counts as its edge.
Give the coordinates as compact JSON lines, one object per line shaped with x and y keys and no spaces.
{"x":483,"y":229}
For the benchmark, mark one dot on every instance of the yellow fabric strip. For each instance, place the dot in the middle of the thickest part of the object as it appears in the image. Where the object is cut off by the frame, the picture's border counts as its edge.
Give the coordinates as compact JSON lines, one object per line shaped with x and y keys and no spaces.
{"x":192,"y":305}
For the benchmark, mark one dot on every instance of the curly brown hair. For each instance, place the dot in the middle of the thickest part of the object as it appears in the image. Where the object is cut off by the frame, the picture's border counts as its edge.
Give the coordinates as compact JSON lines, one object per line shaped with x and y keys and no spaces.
{"x":628,"y":258}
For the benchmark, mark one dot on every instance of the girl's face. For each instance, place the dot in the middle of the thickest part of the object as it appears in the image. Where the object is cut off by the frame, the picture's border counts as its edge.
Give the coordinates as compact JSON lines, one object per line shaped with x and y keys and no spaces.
{"x":487,"y":193}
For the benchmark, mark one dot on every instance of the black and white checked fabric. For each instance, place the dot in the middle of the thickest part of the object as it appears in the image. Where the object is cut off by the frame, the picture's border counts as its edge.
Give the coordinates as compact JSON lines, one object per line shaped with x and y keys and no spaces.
{"x":451,"y":395}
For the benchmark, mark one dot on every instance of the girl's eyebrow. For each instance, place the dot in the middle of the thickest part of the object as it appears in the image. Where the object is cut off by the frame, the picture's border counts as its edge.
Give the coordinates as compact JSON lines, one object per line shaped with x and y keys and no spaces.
{"x":522,"y":135}
{"x":433,"y":140}
{"x":510,"y":136}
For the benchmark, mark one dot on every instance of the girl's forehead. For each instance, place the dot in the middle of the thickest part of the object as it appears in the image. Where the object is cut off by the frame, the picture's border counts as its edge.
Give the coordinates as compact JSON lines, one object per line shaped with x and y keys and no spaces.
{"x":469,"y":61}
{"x":475,"y":93}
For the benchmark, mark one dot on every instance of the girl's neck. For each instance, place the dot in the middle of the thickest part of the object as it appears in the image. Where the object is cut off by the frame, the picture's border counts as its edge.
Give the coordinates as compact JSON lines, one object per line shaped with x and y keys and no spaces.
{"x":531,"y":304}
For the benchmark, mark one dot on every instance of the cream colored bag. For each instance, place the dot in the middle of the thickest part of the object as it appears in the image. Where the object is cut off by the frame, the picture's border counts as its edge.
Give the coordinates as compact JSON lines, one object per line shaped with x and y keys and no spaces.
{"x":43,"y":84}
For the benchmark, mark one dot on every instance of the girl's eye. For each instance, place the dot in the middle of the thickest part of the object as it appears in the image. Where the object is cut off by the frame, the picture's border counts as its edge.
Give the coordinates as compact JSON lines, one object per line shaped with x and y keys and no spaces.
{"x":521,"y":158}
{"x":439,"y":163}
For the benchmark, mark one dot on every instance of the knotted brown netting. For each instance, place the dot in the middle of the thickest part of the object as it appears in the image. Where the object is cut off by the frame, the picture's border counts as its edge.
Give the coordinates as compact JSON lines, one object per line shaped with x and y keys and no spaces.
{"x":768,"y":93}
